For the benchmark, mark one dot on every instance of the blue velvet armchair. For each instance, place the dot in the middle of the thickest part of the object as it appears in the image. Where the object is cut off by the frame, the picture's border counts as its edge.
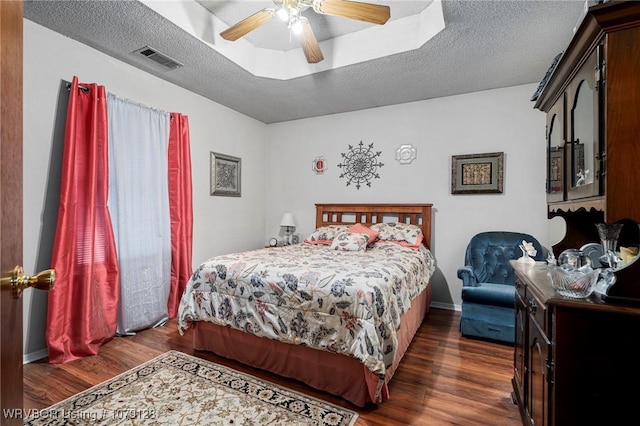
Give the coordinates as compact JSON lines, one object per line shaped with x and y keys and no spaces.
{"x":488,"y":292}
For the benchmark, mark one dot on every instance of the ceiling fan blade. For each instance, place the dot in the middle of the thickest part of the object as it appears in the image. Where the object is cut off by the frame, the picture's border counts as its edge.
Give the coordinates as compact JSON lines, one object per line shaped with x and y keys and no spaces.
{"x":373,"y":13}
{"x":247,"y":25}
{"x":309,"y":44}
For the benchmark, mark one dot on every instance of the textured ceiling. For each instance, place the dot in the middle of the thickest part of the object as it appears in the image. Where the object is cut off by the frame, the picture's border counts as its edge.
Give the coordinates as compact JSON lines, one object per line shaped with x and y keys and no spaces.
{"x":485,"y":45}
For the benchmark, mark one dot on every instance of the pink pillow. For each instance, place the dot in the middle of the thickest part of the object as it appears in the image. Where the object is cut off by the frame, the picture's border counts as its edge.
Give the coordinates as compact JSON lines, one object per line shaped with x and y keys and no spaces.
{"x":414,"y":247}
{"x":359,"y":228}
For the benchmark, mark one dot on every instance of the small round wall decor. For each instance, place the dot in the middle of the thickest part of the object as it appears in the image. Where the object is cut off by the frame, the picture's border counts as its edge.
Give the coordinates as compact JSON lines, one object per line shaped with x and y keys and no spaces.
{"x":405,"y":154}
{"x":360,"y":165}
{"x":319,"y":165}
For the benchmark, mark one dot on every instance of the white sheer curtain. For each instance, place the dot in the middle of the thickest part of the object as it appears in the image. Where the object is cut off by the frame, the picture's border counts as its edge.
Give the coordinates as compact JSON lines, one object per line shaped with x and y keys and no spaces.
{"x":139,"y":205}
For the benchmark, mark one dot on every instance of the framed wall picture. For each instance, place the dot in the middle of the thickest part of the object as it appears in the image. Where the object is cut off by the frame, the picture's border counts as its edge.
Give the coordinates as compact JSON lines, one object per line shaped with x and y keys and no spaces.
{"x":225,"y":175}
{"x":555,"y":172}
{"x":477,"y":173}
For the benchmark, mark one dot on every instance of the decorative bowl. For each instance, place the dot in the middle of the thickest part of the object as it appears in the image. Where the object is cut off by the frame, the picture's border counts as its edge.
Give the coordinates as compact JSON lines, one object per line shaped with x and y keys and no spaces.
{"x":574,"y":283}
{"x":574,"y":258}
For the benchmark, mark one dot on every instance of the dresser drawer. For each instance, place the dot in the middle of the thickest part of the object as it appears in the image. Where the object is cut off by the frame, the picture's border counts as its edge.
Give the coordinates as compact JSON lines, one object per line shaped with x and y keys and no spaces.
{"x":537,"y":310}
{"x":521,"y":289}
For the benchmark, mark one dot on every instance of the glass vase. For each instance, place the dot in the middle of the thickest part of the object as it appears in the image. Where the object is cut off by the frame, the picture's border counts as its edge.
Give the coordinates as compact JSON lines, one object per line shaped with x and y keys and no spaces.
{"x":609,"y":234}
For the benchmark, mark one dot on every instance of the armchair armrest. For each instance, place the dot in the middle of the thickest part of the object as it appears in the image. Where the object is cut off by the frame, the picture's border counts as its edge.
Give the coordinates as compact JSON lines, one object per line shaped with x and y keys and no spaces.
{"x":465,"y":273}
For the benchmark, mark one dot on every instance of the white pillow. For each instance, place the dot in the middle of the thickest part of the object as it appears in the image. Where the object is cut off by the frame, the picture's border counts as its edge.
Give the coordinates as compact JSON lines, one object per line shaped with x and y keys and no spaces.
{"x":350,"y":241}
{"x":405,"y":234}
{"x":325,"y":234}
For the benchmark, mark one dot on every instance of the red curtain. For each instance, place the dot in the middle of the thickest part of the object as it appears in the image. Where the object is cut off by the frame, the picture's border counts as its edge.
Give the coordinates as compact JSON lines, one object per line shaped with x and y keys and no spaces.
{"x":180,"y":209}
{"x":82,"y":311}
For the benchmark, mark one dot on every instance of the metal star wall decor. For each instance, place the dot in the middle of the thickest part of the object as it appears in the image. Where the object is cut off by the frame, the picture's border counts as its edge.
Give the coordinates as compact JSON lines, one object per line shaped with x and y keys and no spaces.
{"x":360,"y":165}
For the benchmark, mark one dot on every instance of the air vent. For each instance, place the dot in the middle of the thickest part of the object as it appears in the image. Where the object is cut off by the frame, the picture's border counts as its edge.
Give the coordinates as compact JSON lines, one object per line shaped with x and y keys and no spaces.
{"x":159,"y":58}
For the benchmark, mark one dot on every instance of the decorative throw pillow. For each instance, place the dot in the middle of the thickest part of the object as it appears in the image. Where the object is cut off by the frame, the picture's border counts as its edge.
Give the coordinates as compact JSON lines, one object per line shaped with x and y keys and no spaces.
{"x":404,"y":234}
{"x":325,"y":234}
{"x":348,"y":241}
{"x":359,"y":228}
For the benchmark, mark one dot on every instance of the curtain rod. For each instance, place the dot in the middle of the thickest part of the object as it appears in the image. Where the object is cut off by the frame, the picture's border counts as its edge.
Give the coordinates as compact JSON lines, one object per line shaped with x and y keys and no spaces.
{"x":83,"y":88}
{"x":86,"y":89}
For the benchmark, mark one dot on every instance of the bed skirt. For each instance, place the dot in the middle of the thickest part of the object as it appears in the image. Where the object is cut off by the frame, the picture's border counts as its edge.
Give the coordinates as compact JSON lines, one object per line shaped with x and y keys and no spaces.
{"x":334,"y":373}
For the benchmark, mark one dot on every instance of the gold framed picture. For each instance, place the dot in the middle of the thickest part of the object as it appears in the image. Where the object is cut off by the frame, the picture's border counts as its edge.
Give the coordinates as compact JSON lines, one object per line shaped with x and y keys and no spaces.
{"x":477,"y":173}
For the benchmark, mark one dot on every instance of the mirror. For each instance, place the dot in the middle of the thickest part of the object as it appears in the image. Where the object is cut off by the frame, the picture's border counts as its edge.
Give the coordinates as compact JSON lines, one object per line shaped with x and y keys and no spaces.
{"x":583,"y":138}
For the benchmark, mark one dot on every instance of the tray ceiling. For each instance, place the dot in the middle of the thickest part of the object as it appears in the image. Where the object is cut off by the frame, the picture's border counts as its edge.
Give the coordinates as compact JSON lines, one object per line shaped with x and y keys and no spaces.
{"x":485,"y":44}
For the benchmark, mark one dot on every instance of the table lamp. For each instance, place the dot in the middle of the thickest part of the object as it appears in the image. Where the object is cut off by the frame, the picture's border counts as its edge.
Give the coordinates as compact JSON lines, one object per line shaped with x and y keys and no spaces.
{"x":288,"y":224}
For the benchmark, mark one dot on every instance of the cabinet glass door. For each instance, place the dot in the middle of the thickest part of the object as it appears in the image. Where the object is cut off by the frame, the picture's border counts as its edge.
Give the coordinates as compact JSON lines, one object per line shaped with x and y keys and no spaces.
{"x":583,"y":149}
{"x":555,"y":152}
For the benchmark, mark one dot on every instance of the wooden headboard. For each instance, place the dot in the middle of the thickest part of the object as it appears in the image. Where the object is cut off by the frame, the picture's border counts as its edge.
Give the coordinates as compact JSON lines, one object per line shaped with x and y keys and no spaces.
{"x":368,"y":214}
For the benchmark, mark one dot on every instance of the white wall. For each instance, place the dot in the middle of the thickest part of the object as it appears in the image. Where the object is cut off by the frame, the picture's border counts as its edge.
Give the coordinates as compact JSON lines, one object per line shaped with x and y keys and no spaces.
{"x":221,"y":224}
{"x":491,"y":121}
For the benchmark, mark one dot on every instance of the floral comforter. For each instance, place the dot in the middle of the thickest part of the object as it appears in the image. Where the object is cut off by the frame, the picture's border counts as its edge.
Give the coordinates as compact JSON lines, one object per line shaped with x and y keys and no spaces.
{"x":340,"y":301}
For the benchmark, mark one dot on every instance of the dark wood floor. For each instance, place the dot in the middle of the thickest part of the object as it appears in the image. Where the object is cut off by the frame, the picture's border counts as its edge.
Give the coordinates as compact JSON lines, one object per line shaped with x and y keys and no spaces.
{"x":444,"y":379}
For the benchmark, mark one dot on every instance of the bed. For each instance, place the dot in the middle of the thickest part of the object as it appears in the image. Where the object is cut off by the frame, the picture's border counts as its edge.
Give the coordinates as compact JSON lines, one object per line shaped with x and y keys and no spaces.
{"x":337,"y":311}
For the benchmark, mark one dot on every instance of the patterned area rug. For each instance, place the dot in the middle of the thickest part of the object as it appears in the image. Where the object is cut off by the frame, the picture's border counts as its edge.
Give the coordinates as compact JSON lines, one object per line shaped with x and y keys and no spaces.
{"x":179,"y":389}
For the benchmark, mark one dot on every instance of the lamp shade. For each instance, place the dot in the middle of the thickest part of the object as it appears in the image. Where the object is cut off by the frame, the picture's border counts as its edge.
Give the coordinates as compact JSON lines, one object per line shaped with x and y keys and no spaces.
{"x":287,"y":220}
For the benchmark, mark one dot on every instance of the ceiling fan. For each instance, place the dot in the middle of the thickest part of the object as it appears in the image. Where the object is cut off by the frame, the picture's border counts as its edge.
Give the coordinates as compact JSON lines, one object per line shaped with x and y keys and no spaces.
{"x":290,"y":11}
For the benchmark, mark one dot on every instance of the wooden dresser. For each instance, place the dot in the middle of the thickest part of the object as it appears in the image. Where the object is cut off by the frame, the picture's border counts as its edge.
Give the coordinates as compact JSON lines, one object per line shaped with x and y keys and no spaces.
{"x":576,"y":362}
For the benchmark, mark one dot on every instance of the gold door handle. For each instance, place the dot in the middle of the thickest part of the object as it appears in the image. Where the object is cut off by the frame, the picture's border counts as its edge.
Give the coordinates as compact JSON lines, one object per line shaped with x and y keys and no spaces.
{"x":18,"y":281}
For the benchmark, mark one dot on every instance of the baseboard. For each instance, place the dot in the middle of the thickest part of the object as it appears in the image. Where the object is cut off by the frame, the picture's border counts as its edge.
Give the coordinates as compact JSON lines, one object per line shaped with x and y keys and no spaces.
{"x":35,"y":356}
{"x":447,"y":306}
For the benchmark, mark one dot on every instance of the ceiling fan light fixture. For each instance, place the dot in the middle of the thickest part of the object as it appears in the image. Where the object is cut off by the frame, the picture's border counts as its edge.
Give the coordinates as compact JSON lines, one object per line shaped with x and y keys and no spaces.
{"x":283,"y":14}
{"x":296,"y":27}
